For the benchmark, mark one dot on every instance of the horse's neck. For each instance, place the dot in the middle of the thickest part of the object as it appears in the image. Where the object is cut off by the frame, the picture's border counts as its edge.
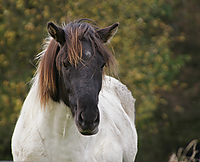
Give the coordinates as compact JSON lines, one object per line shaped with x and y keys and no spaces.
{"x":54,"y":115}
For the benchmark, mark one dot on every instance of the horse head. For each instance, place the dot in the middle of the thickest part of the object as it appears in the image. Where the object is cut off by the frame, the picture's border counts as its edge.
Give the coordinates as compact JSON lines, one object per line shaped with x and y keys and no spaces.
{"x":80,"y":58}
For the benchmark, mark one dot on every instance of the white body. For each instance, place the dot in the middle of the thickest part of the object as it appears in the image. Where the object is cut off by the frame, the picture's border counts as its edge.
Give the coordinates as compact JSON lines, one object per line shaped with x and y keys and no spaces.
{"x":50,"y":133}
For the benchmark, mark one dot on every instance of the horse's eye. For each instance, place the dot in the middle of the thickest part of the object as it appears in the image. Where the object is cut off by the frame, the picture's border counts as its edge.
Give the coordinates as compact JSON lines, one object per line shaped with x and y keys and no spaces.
{"x":65,"y":65}
{"x":104,"y":65}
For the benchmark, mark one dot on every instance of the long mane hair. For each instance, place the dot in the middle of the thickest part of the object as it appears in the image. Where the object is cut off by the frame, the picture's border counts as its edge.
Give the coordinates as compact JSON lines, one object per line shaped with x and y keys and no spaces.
{"x":54,"y":54}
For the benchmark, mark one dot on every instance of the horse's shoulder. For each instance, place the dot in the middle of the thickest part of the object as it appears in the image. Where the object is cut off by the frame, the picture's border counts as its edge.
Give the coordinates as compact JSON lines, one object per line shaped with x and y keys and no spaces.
{"x":124,"y":95}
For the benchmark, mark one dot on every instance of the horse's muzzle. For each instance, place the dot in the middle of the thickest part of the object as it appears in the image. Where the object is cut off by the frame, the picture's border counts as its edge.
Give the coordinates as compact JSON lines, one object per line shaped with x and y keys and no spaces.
{"x":87,"y":125}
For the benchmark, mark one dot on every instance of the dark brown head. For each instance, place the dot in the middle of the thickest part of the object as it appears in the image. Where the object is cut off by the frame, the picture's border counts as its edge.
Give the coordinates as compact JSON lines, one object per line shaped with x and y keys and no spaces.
{"x":71,"y":70}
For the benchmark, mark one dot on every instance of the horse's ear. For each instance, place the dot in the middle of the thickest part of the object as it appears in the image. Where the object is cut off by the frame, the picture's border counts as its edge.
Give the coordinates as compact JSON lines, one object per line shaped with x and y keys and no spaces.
{"x":107,"y":33}
{"x":56,"y":32}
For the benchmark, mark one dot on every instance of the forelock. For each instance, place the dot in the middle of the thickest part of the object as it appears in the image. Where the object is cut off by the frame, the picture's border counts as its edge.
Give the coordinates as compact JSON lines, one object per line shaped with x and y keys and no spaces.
{"x":75,"y":32}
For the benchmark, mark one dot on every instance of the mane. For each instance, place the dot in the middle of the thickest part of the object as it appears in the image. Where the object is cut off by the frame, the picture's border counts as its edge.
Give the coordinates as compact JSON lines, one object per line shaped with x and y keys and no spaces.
{"x":51,"y":58}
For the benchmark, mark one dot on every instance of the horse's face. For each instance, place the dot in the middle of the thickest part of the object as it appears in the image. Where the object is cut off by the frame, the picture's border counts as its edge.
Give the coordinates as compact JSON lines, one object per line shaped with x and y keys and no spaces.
{"x":81,"y":85}
{"x":80,"y":81}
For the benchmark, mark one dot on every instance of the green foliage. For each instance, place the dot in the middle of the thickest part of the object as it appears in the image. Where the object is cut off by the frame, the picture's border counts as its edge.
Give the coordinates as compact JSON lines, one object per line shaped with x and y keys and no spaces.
{"x":148,"y":47}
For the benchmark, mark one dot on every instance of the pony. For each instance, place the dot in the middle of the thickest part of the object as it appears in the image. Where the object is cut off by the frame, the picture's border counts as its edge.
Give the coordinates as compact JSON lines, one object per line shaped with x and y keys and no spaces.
{"x":74,"y":111}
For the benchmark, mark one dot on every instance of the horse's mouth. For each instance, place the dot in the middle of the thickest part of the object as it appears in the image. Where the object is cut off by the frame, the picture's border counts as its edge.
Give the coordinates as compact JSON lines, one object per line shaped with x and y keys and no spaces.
{"x":89,"y":132}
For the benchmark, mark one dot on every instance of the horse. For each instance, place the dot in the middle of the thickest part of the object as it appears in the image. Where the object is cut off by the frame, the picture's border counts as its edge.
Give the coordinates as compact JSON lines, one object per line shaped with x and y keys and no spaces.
{"x":74,"y":111}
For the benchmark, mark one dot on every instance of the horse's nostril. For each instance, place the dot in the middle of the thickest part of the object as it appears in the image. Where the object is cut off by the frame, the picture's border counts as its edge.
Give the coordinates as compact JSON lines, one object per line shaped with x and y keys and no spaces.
{"x":96,"y":121}
{"x":81,"y":119}
{"x":84,"y":120}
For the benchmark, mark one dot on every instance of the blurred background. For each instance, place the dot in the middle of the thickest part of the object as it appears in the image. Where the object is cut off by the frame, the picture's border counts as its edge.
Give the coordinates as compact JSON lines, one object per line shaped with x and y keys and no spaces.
{"x":157,"y":47}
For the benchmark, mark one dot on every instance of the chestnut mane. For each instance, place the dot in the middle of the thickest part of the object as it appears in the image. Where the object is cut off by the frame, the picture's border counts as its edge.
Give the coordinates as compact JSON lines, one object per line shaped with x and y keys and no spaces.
{"x":51,"y":58}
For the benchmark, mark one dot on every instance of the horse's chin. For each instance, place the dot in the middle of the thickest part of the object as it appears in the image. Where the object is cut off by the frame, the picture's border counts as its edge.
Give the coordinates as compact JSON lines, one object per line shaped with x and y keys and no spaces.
{"x":88,"y":132}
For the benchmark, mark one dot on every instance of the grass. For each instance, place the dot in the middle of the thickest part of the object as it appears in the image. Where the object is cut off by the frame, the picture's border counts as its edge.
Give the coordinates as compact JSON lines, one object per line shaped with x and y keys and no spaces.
{"x":181,"y":155}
